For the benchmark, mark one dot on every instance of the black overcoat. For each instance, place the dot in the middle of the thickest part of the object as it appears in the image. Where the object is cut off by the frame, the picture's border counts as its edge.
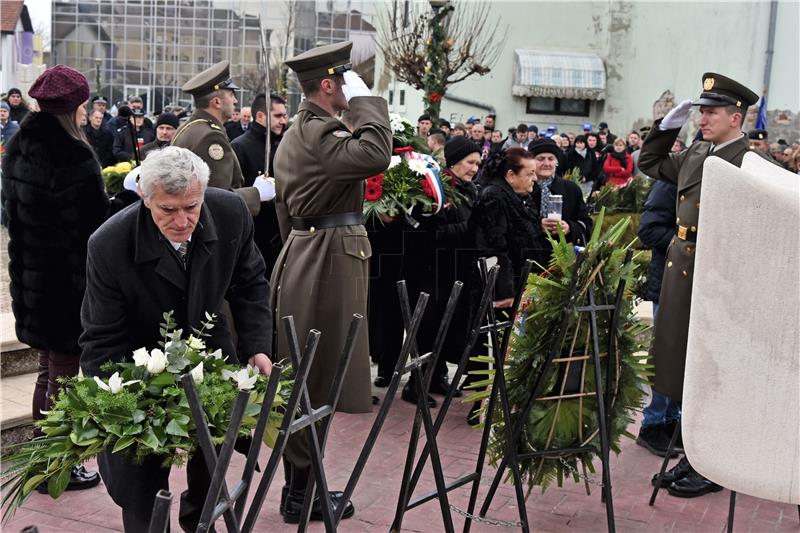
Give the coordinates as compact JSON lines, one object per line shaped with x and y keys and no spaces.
{"x":134,"y":276}
{"x":574,"y":211}
{"x":54,"y":198}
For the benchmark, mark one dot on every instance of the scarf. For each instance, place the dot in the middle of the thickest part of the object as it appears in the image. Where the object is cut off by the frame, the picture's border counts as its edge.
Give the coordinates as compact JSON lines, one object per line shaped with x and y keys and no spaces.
{"x":545,"y":186}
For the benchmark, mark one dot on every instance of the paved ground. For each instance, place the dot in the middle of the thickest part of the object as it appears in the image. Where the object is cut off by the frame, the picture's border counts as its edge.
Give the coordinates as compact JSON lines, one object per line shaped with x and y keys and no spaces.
{"x":559,"y":509}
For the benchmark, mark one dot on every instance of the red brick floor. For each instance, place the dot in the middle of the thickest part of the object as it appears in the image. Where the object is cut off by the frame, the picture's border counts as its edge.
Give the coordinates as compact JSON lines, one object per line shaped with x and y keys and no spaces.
{"x":559,"y":509}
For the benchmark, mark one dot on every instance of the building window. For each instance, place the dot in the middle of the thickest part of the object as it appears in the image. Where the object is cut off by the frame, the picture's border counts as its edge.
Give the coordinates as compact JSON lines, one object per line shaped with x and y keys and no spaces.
{"x":402,"y":97}
{"x":391,"y":97}
{"x":537,"y":105}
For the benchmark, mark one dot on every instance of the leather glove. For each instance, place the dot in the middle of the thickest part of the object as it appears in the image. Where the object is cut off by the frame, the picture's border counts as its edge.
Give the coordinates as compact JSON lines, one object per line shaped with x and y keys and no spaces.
{"x":677,"y":117}
{"x":266,"y":188}
{"x":354,"y":86}
{"x":131,"y":180}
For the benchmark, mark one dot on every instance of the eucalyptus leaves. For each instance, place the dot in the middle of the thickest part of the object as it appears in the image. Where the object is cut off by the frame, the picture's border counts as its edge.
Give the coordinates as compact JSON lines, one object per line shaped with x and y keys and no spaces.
{"x":140,"y":410}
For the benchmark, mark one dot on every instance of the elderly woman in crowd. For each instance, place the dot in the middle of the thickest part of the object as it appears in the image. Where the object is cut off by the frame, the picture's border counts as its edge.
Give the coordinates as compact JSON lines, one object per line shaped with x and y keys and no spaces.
{"x":441,"y":252}
{"x":54,"y":199}
{"x":618,"y":165}
{"x":507,"y":226}
{"x":575,"y":222}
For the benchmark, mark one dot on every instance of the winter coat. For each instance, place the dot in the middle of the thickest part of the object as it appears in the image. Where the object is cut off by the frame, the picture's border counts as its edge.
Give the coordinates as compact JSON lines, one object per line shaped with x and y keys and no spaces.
{"x":54,"y":199}
{"x":573,"y":211}
{"x":656,"y":229}
{"x":8,"y":130}
{"x":153,"y":145}
{"x":123,"y":145}
{"x":618,"y":173}
{"x":102,"y":140}
{"x":588,"y":165}
{"x":508,"y":226}
{"x":249,"y":149}
{"x":18,"y":113}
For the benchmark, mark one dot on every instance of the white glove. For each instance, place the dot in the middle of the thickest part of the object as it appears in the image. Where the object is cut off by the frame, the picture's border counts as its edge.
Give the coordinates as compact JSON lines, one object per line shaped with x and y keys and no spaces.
{"x":677,"y":117}
{"x":131,"y":179}
{"x":354,"y":86}
{"x":266,"y":188}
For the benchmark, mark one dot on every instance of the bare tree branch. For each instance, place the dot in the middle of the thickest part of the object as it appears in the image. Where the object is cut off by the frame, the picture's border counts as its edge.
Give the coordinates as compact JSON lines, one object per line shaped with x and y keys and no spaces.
{"x":473,"y":44}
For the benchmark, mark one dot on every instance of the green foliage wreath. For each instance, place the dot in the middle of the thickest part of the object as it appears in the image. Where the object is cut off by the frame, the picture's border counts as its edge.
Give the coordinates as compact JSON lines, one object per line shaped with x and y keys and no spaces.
{"x":562,"y":418}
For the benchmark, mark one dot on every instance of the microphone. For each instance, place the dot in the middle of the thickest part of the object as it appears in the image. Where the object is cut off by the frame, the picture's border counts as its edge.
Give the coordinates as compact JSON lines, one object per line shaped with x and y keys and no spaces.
{"x":124,"y":111}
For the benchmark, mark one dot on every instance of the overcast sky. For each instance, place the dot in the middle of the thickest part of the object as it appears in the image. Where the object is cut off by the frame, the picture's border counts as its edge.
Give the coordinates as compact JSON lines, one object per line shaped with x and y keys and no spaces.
{"x":40,"y":10}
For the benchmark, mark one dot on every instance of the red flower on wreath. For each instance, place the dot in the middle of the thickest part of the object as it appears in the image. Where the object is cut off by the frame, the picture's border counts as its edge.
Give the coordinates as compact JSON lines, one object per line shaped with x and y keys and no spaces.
{"x":426,"y":188}
{"x":373,"y":192}
{"x":403,"y":149}
{"x":435,"y":98}
{"x":376,"y":180}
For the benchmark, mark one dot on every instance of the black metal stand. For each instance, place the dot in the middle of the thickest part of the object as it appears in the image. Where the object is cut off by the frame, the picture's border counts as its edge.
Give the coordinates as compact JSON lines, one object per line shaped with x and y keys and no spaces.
{"x":159,"y":520}
{"x":670,"y":449}
{"x":602,"y":395}
{"x":315,"y":421}
{"x":410,"y":479}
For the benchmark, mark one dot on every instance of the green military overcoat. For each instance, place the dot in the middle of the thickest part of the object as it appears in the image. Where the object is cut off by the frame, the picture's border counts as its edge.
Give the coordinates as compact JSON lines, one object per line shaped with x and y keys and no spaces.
{"x":321,"y":275}
{"x":685,"y":170}
{"x":205,"y":136}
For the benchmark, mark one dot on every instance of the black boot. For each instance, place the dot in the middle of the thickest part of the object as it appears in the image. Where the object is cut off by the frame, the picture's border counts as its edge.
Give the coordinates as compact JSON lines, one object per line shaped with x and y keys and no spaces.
{"x":409,"y":395}
{"x":676,"y":473}
{"x":292,"y":508}
{"x":692,"y":485}
{"x":656,"y":439}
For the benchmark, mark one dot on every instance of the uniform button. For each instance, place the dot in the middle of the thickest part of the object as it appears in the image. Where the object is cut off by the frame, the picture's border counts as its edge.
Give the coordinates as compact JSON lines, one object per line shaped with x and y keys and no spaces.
{"x":690,"y":249}
{"x":312,"y":229}
{"x":697,"y":205}
{"x":685,"y":274}
{"x":683,"y":197}
{"x":669,"y":264}
{"x":694,"y":228}
{"x":362,"y":253}
{"x":678,"y":220}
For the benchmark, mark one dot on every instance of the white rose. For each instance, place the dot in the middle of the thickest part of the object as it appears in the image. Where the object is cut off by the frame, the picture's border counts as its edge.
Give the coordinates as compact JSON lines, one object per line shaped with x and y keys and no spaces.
{"x":158,"y":362}
{"x":394,"y":161}
{"x":195,"y":343}
{"x":141,"y":357}
{"x":115,"y":383}
{"x":197,"y":373}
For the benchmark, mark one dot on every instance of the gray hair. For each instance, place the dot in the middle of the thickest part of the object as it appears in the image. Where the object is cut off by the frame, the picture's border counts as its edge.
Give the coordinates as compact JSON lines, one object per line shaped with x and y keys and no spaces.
{"x":173,"y":168}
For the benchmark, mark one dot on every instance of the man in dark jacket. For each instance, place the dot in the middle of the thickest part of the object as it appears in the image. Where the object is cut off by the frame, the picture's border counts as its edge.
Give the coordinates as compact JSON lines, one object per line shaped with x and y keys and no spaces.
{"x":166,"y":126}
{"x":250,"y":151}
{"x":99,"y":103}
{"x":123,"y":145}
{"x":101,"y":139}
{"x":656,"y":229}
{"x":188,"y":251}
{"x":18,"y":108}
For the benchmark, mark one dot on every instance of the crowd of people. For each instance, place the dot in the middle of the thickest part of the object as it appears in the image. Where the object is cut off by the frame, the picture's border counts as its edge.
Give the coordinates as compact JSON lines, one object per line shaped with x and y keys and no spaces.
{"x":297,"y":244}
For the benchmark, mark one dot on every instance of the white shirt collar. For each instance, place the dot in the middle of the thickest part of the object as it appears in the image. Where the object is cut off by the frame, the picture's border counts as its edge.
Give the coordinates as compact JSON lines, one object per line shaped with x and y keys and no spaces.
{"x":715,"y":147}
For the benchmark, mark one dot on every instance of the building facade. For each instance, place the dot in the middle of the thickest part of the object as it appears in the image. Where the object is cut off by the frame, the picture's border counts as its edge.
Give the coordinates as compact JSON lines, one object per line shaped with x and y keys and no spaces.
{"x":622,"y":62}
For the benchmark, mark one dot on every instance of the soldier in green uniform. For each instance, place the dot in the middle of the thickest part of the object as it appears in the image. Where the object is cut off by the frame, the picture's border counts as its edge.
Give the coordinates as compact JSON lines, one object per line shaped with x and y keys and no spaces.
{"x":723,"y":107}
{"x":214,"y":96}
{"x":321,"y":275}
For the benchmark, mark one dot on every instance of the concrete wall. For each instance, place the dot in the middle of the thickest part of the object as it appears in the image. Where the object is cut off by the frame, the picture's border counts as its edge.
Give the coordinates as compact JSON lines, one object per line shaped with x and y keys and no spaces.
{"x":648,"y":48}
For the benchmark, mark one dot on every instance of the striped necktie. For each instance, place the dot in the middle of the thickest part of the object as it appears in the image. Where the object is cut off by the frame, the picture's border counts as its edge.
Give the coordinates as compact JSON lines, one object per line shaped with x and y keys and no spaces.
{"x":183,"y":252}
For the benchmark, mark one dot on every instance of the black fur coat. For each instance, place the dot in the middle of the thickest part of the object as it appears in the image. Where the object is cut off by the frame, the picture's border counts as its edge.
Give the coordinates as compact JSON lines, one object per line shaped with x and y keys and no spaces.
{"x":508,"y":226}
{"x":54,"y":199}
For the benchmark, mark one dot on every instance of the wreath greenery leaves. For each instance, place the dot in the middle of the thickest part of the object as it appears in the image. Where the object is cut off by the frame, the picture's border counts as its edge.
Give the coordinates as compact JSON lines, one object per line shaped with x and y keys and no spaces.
{"x":140,"y":411}
{"x":561,"y":419}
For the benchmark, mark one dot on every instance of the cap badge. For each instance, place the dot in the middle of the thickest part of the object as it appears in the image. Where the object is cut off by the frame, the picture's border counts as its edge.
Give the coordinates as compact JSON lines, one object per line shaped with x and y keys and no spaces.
{"x":708,"y":84}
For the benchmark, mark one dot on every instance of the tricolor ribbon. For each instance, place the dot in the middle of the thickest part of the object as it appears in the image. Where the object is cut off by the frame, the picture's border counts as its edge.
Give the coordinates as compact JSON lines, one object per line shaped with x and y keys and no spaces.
{"x":431,"y":175}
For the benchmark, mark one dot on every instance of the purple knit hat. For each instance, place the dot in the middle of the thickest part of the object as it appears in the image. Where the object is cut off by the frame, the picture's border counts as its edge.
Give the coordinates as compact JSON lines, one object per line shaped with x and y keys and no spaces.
{"x":60,"y":90}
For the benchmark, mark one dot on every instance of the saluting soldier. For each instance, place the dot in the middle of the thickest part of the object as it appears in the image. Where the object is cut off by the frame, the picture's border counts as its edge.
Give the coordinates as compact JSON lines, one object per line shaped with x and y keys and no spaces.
{"x":214,"y":94}
{"x":321,"y":276}
{"x":723,"y":107}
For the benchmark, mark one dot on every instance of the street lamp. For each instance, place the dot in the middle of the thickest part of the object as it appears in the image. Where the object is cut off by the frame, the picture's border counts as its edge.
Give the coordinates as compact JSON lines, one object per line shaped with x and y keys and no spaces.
{"x":97,"y":62}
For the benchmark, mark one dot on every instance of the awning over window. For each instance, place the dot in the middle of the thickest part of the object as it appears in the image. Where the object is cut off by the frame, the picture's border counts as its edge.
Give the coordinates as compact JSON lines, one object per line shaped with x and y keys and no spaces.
{"x":558,"y":75}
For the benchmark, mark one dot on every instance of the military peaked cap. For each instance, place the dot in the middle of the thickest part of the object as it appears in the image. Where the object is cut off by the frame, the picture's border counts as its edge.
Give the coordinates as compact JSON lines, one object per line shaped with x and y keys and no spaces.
{"x":212,"y":79}
{"x":322,"y":61}
{"x":758,"y":135}
{"x":719,"y":90}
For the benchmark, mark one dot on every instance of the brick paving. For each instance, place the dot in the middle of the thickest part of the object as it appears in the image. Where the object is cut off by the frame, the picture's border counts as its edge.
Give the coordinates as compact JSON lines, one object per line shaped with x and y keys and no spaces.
{"x":559,"y":509}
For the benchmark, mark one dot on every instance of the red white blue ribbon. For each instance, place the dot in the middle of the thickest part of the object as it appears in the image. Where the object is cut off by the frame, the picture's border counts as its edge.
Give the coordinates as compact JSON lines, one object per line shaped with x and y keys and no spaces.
{"x":431,"y":174}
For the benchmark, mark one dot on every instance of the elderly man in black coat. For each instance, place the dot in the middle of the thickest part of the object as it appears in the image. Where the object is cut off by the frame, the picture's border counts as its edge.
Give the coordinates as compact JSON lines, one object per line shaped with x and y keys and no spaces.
{"x":183,"y":248}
